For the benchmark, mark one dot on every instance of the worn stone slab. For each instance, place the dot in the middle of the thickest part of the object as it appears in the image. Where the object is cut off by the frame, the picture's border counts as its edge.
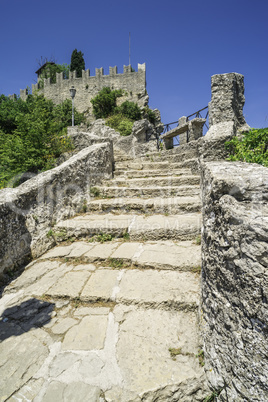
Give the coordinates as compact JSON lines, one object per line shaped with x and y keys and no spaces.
{"x":100,"y":285}
{"x":145,"y":337}
{"x":22,"y":354}
{"x":157,"y":181}
{"x":126,"y":250}
{"x":33,"y":274}
{"x":58,"y":252}
{"x":84,"y":267}
{"x":169,"y":255}
{"x":82,"y":311}
{"x":75,"y":391}
{"x":69,"y":285}
{"x":150,"y":191}
{"x":88,"y":335}
{"x":79,"y":249}
{"x":172,"y":205}
{"x":40,"y":287}
{"x":155,"y":227}
{"x":29,"y":391}
{"x":101,"y":251}
{"x":63,"y":325}
{"x":93,"y":224}
{"x":159,"y":289}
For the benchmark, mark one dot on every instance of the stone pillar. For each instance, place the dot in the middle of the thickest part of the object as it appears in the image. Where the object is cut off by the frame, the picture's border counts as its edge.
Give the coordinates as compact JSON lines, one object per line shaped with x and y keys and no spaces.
{"x":168,"y":143}
{"x":196,"y":129}
{"x":183,"y":136}
{"x":227,"y":99}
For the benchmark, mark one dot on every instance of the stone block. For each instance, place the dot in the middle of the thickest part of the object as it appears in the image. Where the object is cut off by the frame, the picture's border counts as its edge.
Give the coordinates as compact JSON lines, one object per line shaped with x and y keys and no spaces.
{"x":88,"y":335}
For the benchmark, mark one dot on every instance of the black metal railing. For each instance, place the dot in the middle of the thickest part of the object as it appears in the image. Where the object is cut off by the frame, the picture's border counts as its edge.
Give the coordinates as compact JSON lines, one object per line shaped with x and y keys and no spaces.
{"x":198,"y":114}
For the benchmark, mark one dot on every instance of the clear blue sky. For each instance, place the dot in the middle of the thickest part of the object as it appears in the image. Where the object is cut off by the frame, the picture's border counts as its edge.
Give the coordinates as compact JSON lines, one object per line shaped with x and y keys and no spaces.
{"x":182,"y":42}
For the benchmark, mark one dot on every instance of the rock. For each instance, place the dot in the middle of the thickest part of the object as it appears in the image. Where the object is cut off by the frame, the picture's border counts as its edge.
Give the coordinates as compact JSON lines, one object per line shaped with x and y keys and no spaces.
{"x":227,"y":99}
{"x":212,"y":146}
{"x":234,"y":278}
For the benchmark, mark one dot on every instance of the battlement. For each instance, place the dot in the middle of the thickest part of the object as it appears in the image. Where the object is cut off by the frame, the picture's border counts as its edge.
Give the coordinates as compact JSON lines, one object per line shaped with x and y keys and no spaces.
{"x":133,"y":83}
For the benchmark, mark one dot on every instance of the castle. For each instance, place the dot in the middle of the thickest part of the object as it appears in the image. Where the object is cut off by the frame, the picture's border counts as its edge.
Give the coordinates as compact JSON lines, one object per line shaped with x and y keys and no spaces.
{"x":133,"y":84}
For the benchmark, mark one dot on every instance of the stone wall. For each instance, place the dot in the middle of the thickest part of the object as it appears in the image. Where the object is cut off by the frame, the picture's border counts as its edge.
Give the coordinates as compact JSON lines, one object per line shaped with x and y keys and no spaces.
{"x":235,"y":279}
{"x":87,"y":87}
{"x":28,"y":212}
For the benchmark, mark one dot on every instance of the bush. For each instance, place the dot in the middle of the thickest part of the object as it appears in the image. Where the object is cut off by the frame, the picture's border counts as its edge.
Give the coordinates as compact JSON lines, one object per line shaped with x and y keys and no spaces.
{"x":252,"y":147}
{"x":149,"y":114}
{"x":120,"y":123}
{"x":130,"y":110}
{"x":105,"y":102}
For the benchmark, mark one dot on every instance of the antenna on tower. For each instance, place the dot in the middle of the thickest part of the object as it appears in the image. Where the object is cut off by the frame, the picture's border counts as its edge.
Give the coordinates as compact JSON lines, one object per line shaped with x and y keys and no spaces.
{"x":129,"y":49}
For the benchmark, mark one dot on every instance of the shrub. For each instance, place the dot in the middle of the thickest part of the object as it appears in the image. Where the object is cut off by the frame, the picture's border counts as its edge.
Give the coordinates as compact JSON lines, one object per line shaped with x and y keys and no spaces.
{"x":252,"y":147}
{"x":130,"y":110}
{"x":105,"y":102}
{"x":120,"y":123}
{"x":149,"y":114}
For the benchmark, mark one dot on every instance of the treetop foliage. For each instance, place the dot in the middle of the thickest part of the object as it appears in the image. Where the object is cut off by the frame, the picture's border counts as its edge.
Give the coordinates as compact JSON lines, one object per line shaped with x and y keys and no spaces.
{"x":32,"y":135}
{"x":77,"y":62}
{"x":50,"y":70}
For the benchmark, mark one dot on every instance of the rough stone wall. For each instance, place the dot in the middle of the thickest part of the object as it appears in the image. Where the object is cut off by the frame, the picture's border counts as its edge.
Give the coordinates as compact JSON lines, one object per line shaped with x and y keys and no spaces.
{"x":227,"y":99}
{"x":28,"y":212}
{"x":87,"y":87}
{"x":235,"y":279}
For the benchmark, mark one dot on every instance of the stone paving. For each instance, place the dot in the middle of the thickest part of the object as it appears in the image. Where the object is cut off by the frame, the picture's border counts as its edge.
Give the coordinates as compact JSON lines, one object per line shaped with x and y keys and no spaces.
{"x":107,"y":322}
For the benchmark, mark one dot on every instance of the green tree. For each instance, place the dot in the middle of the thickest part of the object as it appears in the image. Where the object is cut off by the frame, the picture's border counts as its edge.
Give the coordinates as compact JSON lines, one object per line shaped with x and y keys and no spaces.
{"x":50,"y":72}
{"x":37,"y":137}
{"x":77,"y":62}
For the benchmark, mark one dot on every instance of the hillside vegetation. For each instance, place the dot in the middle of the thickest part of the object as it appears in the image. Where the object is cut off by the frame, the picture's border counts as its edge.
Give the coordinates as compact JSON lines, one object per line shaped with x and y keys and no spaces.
{"x":252,"y":147}
{"x":32,"y":136}
{"x":120,"y":118}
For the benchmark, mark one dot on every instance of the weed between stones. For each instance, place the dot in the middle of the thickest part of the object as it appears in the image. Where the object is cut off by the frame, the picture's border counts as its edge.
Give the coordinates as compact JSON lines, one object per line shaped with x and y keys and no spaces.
{"x":200,"y":356}
{"x":174,"y":352}
{"x":198,"y":240}
{"x":101,"y":238}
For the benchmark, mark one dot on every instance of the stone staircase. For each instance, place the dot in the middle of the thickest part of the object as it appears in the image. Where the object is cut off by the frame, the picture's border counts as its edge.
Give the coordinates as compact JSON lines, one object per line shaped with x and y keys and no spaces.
{"x":115,"y":304}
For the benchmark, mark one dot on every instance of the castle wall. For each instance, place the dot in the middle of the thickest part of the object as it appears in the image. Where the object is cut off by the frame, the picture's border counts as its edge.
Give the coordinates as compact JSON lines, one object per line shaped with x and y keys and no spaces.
{"x":87,"y":87}
{"x":235,"y":279}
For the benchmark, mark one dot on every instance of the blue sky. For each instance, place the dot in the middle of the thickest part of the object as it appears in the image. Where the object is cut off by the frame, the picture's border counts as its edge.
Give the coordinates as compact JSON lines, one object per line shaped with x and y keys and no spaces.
{"x":182,"y":43}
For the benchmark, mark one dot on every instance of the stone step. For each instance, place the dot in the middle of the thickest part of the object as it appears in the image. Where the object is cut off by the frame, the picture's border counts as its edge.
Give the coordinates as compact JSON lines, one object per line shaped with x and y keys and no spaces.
{"x":149,"y":192}
{"x":138,"y":227}
{"x":159,"y":255}
{"x":162,"y":165}
{"x":91,"y":283}
{"x":173,"y":205}
{"x":186,"y":180}
{"x":84,"y":331}
{"x":147,"y":165}
{"x":177,"y":154}
{"x":150,"y":173}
